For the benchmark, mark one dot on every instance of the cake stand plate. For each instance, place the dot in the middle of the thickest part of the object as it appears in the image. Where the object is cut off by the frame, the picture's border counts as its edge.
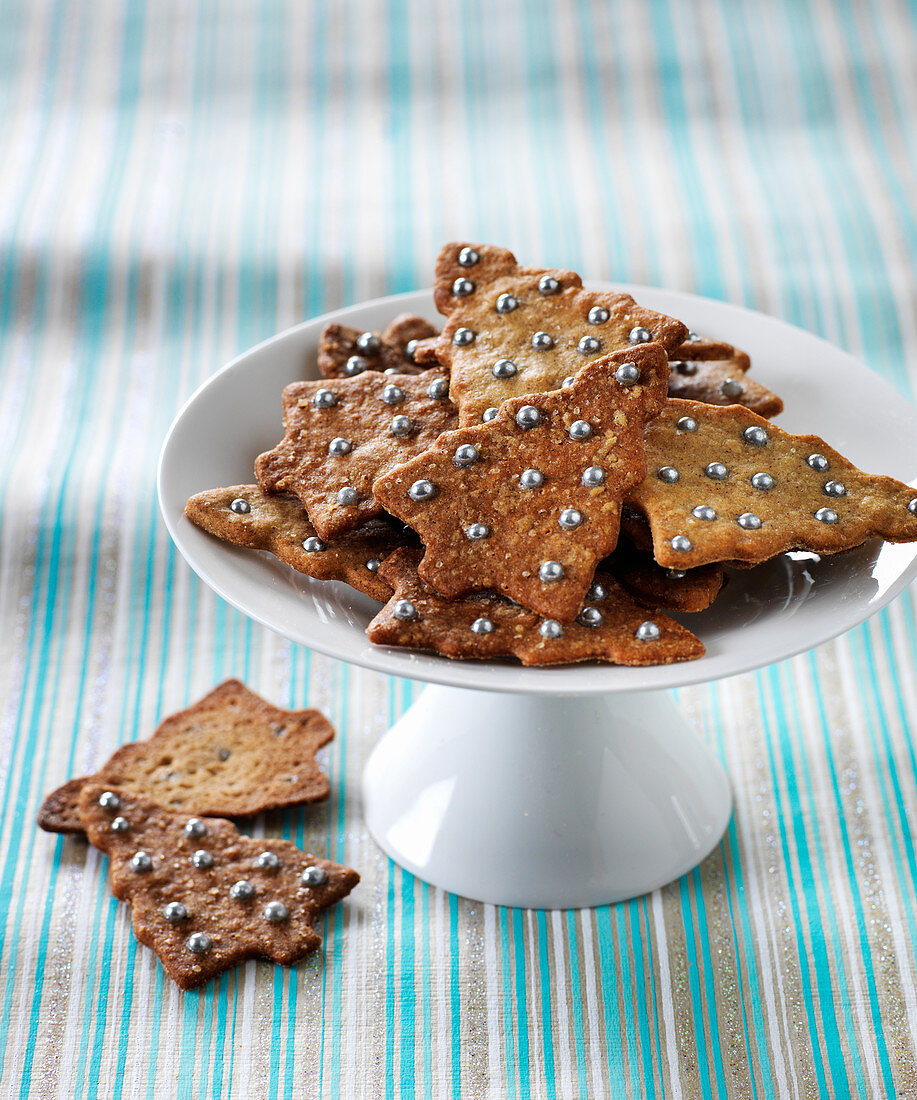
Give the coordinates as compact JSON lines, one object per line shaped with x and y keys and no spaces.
{"x":558,"y":787}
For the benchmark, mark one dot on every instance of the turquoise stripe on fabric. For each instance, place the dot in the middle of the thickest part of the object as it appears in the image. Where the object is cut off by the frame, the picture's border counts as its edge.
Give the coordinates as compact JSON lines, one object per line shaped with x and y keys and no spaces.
{"x":740,"y":921}
{"x":830,"y":1057}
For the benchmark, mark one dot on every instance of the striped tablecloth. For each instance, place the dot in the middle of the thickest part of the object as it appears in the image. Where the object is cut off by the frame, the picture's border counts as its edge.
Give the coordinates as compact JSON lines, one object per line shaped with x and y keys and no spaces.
{"x":179,"y":180}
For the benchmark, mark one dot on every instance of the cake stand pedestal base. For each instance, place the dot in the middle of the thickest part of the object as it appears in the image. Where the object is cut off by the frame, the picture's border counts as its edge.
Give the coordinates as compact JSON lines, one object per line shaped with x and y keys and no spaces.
{"x":545,"y":801}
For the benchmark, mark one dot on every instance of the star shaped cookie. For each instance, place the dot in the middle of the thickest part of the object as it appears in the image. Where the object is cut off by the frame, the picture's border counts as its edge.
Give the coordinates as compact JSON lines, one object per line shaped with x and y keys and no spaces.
{"x":514,"y":330}
{"x":244,"y":516}
{"x":232,"y":753}
{"x":683,"y":590}
{"x":715,"y":373}
{"x":406,"y":346}
{"x":341,"y":434}
{"x":611,"y":627}
{"x":724,"y":484}
{"x":529,"y":502}
{"x":203,"y":896}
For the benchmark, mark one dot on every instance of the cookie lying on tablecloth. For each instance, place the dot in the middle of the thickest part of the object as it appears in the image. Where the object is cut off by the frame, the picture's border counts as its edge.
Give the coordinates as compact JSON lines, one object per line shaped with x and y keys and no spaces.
{"x":724,"y":484}
{"x":406,"y":346}
{"x":529,"y":502}
{"x":341,"y":434}
{"x":244,"y":516}
{"x":715,"y":373}
{"x":231,"y":754}
{"x":203,"y":896}
{"x":515,"y":330}
{"x":610,"y":627}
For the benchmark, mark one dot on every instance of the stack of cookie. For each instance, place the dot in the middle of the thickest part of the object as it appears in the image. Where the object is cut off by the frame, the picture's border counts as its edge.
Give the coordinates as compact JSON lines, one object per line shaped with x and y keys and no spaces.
{"x":545,"y":477}
{"x":203,"y":896}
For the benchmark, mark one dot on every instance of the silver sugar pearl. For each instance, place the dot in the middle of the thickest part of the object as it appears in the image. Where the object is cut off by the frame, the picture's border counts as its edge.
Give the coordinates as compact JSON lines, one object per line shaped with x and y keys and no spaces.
{"x":593,"y":476}
{"x":731,"y":387}
{"x":422,"y":490}
{"x":240,"y":507}
{"x":598,"y":315}
{"x":528,"y":417}
{"x":489,"y":414}
{"x":275,"y":911}
{"x":404,"y":611}
{"x":314,"y":876}
{"x":588,"y":345}
{"x":684,"y":366}
{"x":438,"y":389}
{"x":547,"y":284}
{"x":756,"y":436}
{"x":668,"y":474}
{"x":647,"y":632}
{"x":373,"y":565}
{"x":627,"y":374}
{"x":323,"y":399}
{"x":392,"y":395}
{"x":401,"y":426}
{"x":391,"y":370}
{"x":835,"y":489}
{"x":199,"y":943}
{"x":551,"y":571}
{"x":461,"y":288}
{"x":368,"y":343}
{"x":348,"y":496}
{"x":717,"y":471}
{"x":339,"y":447}
{"x":748,"y":521}
{"x":682,"y":544}
{"x":120,"y":825}
{"x":202,"y":859}
{"x":703,"y":511}
{"x":590,"y":616}
{"x":640,"y":335}
{"x":267,"y":861}
{"x":409,"y":348}
{"x":542,"y":341}
{"x":463,"y":337}
{"x":242,"y":890}
{"x":195,"y":828}
{"x":693,"y":337}
{"x":141,"y":861}
{"x":477,"y":531}
{"x":503,"y":368}
{"x":570,"y":519}
{"x":597,"y":592}
{"x":506,"y":303}
{"x":531,"y":479}
{"x":568,"y":382}
{"x":762,"y":481}
{"x":482,"y":626}
{"x":580,"y":430}
{"x":826,"y":515}
{"x":686,"y":424}
{"x":468,"y":257}
{"x":108,"y":800}
{"x":551,"y":628}
{"x":912,"y":506}
{"x":175,"y":912}
{"x":817,"y":462}
{"x":313,"y":545}
{"x":355,"y":365}
{"x":466,"y":455}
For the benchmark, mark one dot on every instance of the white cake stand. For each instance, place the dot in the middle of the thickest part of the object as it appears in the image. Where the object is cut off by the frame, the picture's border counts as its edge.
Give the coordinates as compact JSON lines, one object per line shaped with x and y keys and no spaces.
{"x":567,"y":787}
